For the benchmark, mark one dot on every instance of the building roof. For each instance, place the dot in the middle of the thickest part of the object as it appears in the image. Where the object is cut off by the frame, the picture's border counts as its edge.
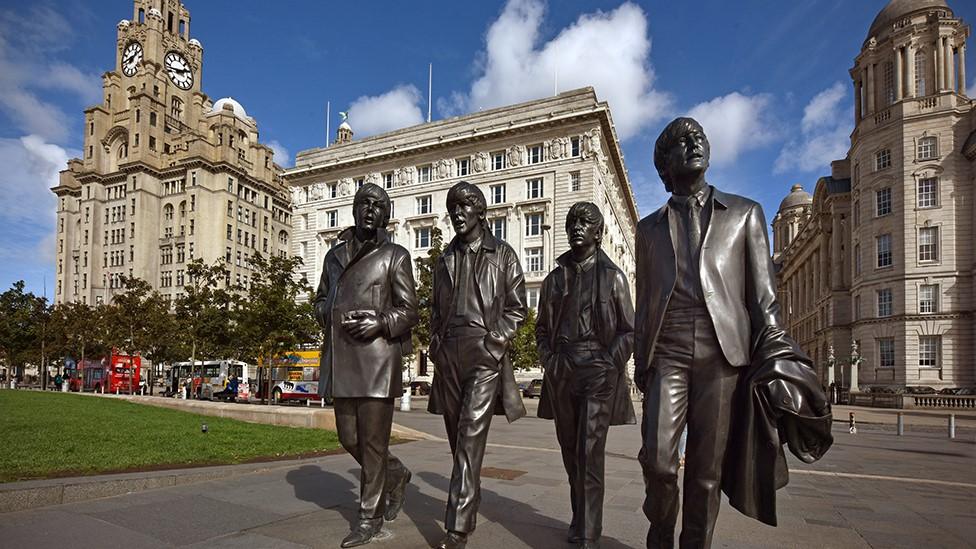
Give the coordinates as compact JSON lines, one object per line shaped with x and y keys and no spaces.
{"x":898,"y":9}
{"x":234,"y":106}
{"x":797,"y":197}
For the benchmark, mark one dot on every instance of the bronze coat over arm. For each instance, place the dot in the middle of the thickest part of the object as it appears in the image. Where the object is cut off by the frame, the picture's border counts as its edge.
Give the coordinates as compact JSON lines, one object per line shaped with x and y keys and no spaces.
{"x":379,"y":278}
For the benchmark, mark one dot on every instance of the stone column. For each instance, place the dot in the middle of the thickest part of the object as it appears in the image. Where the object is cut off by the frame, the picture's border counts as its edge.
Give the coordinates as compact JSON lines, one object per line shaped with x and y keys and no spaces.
{"x":910,"y":73}
{"x":872,"y":89}
{"x":962,"y":69}
{"x":939,"y":67}
{"x":899,"y":76}
{"x":950,"y":83}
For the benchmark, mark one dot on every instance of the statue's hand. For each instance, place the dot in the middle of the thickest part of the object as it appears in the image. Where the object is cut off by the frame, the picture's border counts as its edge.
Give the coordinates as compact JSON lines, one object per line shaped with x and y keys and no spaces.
{"x":363,"y":328}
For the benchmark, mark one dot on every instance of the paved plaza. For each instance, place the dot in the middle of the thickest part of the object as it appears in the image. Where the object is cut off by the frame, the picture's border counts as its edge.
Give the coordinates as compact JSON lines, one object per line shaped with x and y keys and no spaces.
{"x":873,"y":489}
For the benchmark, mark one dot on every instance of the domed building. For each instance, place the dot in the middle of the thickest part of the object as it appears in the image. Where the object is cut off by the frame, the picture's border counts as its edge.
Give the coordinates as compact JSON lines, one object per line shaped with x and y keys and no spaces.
{"x":166,"y":176}
{"x":908,"y":267}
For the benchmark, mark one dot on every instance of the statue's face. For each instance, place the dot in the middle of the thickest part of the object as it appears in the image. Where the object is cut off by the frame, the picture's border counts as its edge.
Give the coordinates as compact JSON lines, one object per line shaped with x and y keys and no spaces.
{"x":369,"y":210}
{"x":583,"y":233}
{"x":466,"y":217}
{"x":688,"y":154}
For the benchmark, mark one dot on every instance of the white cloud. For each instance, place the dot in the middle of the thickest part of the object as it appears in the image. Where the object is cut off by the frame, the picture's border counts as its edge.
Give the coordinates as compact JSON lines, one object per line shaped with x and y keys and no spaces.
{"x":62,"y":76}
{"x":824,"y":133}
{"x":607,"y":50}
{"x":27,"y":206}
{"x":281,"y":155}
{"x":734,"y":124}
{"x":33,"y":115}
{"x":395,"y":109}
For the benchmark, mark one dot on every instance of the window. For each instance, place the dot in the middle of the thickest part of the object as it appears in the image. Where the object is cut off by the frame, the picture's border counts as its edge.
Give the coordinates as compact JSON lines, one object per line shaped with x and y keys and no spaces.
{"x":857,"y":212}
{"x":152,"y":143}
{"x":533,"y":188}
{"x":533,"y":224}
{"x":886,"y":352}
{"x":889,"y":82}
{"x":360,"y":181}
{"x":574,"y":182}
{"x":928,"y":192}
{"x":885,"y":304}
{"x":176,"y":108}
{"x":463,"y":166}
{"x":535,"y":154}
{"x":387,"y":181}
{"x":423,"y":174}
{"x":533,"y":260}
{"x":927,"y":148}
{"x":928,"y":351}
{"x":928,"y":243}
{"x":152,"y":122}
{"x":421,"y":238}
{"x":884,"y":251}
{"x":168,"y":212}
{"x":928,"y":298}
{"x":230,"y":184}
{"x":497,"y":193}
{"x":857,"y":259}
{"x":532,"y":297}
{"x":574,"y":146}
{"x":919,"y":73}
{"x":333,"y":190}
{"x":882,"y":198}
{"x":882,"y":159}
{"x":498,"y":161}
{"x":423,"y":204}
{"x":230,"y":233}
{"x":498,"y":227}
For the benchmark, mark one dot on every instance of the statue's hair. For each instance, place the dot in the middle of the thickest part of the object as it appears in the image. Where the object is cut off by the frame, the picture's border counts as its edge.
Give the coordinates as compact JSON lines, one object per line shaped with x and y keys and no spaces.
{"x":468,"y":193}
{"x":590,"y":212}
{"x":672,"y":132}
{"x":375,"y":190}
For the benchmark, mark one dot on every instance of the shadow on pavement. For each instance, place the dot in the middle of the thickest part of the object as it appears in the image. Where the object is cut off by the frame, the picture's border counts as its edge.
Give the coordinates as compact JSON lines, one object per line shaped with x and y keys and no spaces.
{"x":315,"y":485}
{"x":521,"y":519}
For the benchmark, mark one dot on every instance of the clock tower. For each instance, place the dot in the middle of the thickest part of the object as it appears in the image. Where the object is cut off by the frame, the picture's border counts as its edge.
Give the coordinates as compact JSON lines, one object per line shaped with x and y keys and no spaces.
{"x":168,"y":175}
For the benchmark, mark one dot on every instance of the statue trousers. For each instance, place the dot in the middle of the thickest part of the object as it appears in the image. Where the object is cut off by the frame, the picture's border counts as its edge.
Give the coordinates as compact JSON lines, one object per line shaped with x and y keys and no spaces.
{"x":584,"y":380}
{"x":364,"y":431}
{"x":691,"y":383}
{"x":471,"y":379}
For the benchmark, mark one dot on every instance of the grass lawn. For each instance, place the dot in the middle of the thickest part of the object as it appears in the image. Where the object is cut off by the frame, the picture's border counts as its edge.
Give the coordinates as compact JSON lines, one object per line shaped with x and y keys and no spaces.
{"x":48,"y":434}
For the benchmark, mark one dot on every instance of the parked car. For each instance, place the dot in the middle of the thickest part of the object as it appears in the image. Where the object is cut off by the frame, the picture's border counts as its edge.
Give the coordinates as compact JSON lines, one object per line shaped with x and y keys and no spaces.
{"x":919,"y":390}
{"x":533,"y":389}
{"x":419,"y":388}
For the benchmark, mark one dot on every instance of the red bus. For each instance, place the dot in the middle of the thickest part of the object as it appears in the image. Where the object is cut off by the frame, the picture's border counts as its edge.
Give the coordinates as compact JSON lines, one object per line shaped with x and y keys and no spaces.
{"x":111,"y":374}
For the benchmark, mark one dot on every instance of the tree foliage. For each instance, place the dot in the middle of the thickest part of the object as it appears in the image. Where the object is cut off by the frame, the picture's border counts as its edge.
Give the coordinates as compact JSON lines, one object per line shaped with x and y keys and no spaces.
{"x":23,"y":317}
{"x":205,"y":312}
{"x":425,"y":288}
{"x":524,"y":352}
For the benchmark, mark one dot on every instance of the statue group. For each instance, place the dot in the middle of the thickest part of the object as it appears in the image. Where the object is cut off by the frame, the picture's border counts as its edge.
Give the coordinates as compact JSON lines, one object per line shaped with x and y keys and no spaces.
{"x":708,"y":345}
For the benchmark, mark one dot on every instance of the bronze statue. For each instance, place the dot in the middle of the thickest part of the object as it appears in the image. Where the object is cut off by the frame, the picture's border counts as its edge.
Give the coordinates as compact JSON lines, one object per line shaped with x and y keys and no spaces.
{"x":367,"y":304}
{"x":478,"y":305}
{"x":585,"y":334}
{"x":706,"y":312}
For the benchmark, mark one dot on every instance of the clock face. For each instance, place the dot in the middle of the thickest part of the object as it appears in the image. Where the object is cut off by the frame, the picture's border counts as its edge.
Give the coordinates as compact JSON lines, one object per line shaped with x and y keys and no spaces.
{"x":179,"y":70}
{"x":131,"y":57}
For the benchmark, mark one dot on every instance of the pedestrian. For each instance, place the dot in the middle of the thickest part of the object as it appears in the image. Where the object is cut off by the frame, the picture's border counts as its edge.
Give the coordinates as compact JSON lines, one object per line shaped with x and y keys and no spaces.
{"x":58,"y":380}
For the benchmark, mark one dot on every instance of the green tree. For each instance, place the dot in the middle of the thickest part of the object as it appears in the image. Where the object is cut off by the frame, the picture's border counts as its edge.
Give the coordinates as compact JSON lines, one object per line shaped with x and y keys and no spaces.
{"x":78,"y":330}
{"x":126,"y":319}
{"x":206,"y":311}
{"x":524,"y":352}
{"x":425,"y":288}
{"x":162,"y":344}
{"x":270,"y":319}
{"x":22,"y":319}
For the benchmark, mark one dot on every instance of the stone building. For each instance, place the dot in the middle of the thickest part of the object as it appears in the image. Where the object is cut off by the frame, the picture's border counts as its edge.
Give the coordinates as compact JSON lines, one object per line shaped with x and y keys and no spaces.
{"x":885,"y":257}
{"x":167,"y":175}
{"x":532,"y":160}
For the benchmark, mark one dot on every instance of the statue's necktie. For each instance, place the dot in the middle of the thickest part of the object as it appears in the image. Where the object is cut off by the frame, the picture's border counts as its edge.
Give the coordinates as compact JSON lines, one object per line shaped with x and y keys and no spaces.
{"x":463,"y":275}
{"x":694,"y":225}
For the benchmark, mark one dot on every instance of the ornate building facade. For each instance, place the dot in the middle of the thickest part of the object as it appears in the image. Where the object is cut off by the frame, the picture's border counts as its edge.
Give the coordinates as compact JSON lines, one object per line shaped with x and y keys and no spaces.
{"x":167,"y":174}
{"x":884,"y":258}
{"x":532,"y":160}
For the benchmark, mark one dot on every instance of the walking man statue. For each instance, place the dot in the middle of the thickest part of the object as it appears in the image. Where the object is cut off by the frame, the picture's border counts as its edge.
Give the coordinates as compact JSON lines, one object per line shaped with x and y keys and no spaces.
{"x":585,"y":335}
{"x":478,"y":305}
{"x":706,"y":309}
{"x":367,"y":304}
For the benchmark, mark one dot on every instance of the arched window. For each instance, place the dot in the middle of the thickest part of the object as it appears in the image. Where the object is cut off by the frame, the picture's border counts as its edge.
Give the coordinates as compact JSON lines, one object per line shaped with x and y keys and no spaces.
{"x":283,"y":238}
{"x":123,"y":150}
{"x":920,"y":73}
{"x":168,"y":212}
{"x":183,"y":209}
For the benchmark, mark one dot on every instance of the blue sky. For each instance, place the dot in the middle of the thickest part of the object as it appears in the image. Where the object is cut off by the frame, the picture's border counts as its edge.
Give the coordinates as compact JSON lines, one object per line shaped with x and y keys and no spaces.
{"x":767,"y":79}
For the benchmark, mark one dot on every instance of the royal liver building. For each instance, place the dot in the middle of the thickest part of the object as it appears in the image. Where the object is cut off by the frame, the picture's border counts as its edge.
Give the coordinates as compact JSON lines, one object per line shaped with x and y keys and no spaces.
{"x":882,"y":254}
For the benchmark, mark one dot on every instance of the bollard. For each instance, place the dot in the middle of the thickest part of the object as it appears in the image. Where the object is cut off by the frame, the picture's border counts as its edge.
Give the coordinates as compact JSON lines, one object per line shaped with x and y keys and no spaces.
{"x":851,"y":425}
{"x":901,"y":424}
{"x":952,"y":425}
{"x":322,"y":402}
{"x":308,"y":402}
{"x":116,"y":391}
